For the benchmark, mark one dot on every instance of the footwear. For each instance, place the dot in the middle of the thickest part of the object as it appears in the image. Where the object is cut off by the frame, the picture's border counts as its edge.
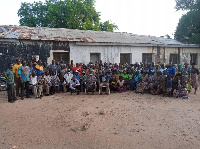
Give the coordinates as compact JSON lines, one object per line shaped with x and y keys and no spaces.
{"x":28,"y":96}
{"x":22,"y":98}
{"x":11,"y":101}
{"x":77,"y":92}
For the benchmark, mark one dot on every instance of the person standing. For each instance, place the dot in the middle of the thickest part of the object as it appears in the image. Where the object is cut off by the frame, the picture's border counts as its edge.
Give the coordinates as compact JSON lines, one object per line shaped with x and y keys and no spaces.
{"x":53,"y":68}
{"x":39,"y":68}
{"x":194,"y":77}
{"x":9,"y":75}
{"x":17,"y":79}
{"x":24,"y":75}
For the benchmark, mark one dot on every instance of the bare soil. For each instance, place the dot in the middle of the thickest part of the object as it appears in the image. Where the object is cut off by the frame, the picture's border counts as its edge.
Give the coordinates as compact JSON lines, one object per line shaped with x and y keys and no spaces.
{"x":116,"y":121}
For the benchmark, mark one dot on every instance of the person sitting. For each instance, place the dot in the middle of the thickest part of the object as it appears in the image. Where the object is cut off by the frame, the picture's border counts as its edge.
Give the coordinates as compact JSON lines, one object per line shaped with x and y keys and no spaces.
{"x":76,"y":75}
{"x":74,"y":85}
{"x":42,"y":85}
{"x":113,"y":84}
{"x":83,"y":79}
{"x":109,"y":74}
{"x":55,"y":81}
{"x":140,"y":86}
{"x":135,"y":82}
{"x":34,"y":84}
{"x":48,"y":82}
{"x":68,"y":77}
{"x":103,"y":81}
{"x":91,"y":83}
{"x":121,"y":85}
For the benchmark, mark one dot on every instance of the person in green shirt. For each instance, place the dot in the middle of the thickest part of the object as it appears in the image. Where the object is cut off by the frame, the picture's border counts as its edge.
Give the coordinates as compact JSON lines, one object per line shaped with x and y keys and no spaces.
{"x":9,"y":75}
{"x":125,"y":75}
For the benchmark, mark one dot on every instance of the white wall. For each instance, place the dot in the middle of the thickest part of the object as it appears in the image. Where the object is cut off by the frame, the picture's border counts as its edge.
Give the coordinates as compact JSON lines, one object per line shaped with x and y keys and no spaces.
{"x":109,"y":54}
{"x":184,"y":54}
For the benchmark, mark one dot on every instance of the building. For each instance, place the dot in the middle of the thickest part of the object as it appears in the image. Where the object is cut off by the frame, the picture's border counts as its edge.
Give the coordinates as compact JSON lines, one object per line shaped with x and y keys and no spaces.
{"x":84,"y":46}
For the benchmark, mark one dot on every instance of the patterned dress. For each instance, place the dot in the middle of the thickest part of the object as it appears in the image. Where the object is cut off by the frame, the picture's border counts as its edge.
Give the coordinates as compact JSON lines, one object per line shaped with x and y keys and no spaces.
{"x":194,"y":77}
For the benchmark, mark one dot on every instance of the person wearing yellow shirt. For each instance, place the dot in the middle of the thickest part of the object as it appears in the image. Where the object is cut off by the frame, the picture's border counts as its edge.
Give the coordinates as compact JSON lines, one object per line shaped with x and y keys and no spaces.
{"x":17,"y":79}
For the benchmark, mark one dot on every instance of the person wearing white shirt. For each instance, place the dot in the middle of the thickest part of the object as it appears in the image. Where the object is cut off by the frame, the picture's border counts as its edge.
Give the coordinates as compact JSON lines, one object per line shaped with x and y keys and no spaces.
{"x":68,"y":77}
{"x":74,"y":85}
{"x":34,"y":83}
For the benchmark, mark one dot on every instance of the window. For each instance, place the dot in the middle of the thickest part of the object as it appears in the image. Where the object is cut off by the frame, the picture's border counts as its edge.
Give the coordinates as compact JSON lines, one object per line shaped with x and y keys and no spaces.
{"x":94,"y":57}
{"x":147,"y":57}
{"x":125,"y":58}
{"x":174,"y":58}
{"x":61,"y":56}
{"x":193,"y":58}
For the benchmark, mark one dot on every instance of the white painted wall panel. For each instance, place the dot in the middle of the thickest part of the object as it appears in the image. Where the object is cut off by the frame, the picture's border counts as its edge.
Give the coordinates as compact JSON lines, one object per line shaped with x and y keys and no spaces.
{"x":109,"y":54}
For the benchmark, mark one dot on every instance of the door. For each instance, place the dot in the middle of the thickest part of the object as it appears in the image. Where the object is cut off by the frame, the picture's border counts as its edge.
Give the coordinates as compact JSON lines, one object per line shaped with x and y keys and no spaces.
{"x":174,"y":59}
{"x":193,"y":59}
{"x":125,"y":58}
{"x":94,"y":57}
{"x":147,"y":57}
{"x":61,"y":56}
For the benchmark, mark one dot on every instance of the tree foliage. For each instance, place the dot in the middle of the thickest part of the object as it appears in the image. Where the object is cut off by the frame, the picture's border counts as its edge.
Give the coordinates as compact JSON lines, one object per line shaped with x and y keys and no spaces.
{"x":184,"y":4}
{"x":188,"y":29}
{"x":73,"y":14}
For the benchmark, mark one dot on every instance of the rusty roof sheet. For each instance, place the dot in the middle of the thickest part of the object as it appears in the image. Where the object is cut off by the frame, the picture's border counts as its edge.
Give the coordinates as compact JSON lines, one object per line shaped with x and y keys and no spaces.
{"x":62,"y":34}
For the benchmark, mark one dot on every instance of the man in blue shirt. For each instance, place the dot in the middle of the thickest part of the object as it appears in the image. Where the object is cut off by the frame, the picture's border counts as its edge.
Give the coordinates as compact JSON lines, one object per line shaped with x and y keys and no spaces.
{"x":171,"y":71}
{"x":24,"y":74}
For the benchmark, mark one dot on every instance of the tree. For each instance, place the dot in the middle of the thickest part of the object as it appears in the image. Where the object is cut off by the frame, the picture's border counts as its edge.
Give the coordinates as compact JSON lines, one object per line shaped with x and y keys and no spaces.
{"x":184,"y":4}
{"x":107,"y":26}
{"x":188,"y":29}
{"x":73,"y":14}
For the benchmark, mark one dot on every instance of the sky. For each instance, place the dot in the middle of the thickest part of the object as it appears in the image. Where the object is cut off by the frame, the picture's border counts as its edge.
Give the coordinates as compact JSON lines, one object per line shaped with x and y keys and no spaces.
{"x":142,"y":17}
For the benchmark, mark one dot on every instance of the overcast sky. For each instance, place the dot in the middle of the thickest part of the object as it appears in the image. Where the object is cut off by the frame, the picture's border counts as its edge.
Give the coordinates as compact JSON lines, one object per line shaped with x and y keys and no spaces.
{"x":144,"y":17}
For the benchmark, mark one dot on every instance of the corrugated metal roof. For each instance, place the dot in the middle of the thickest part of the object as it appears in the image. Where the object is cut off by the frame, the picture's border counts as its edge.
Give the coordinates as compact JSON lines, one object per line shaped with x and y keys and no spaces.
{"x":62,"y":34}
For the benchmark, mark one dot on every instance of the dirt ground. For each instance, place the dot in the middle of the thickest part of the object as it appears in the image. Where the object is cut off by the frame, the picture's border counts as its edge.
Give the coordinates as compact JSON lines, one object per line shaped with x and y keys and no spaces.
{"x":116,"y":121}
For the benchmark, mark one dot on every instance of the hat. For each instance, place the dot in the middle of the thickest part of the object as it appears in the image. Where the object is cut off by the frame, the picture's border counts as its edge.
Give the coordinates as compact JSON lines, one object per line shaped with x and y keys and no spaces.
{"x":76,"y":71}
{"x":35,"y":63}
{"x":83,"y":72}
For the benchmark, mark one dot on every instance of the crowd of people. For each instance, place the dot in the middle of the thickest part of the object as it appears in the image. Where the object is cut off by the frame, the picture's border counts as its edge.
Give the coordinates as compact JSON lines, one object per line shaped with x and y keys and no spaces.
{"x":41,"y":79}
